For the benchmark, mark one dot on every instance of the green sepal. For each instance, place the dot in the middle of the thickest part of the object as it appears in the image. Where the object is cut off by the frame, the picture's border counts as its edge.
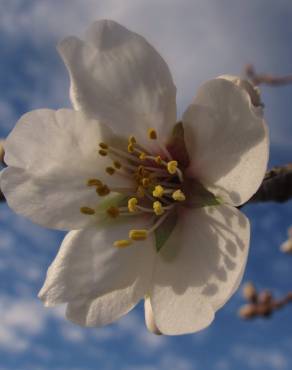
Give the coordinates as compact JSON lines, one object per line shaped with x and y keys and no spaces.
{"x":163,"y":232}
{"x":110,"y":201}
{"x":177,"y":147}
{"x":199,"y":196}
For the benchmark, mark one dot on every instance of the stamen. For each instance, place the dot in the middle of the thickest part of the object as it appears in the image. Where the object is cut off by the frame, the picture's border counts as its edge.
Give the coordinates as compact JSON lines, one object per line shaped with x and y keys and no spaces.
{"x":178,"y":195}
{"x":172,"y":167}
{"x":87,"y":210}
{"x":113,"y":212}
{"x":138,"y":234}
{"x":102,"y":152}
{"x":110,"y":170}
{"x":132,"y":204}
{"x":122,"y":243}
{"x":131,"y":148}
{"x":158,"y":191}
{"x":94,"y":182}
{"x":140,"y":192}
{"x":103,"y":145}
{"x":103,"y":190}
{"x":145,"y":182}
{"x":132,"y":140}
{"x":158,"y":209}
{"x":142,"y":156}
{"x":117,"y":164}
{"x":158,"y":160}
{"x":159,"y":222}
{"x":152,"y":134}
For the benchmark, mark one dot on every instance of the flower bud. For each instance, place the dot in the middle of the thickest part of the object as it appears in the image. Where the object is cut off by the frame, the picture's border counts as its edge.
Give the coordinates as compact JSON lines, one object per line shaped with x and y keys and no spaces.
{"x":286,"y":247}
{"x":265,"y":297}
{"x":249,"y":292}
{"x":264,"y":310}
{"x":247,"y":311}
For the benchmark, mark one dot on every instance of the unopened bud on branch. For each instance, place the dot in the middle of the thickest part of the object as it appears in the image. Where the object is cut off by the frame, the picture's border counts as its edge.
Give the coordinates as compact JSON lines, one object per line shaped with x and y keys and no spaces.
{"x":249,"y":292}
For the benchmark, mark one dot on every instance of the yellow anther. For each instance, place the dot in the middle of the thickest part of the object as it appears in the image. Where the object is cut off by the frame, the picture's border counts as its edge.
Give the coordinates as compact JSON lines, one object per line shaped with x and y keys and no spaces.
{"x":171,"y":167}
{"x":158,"y":191}
{"x":132,"y":140}
{"x":122,"y":243}
{"x":145,"y":182}
{"x":113,"y":212}
{"x":158,"y":160}
{"x":102,"y":152}
{"x":102,"y":190}
{"x":140,"y":192}
{"x":138,"y":234}
{"x":103,"y":145}
{"x":94,"y":182}
{"x":132,"y":204}
{"x":87,"y":210}
{"x":117,"y":164}
{"x":152,"y":134}
{"x":142,"y":156}
{"x":110,"y":170}
{"x":131,"y":148}
{"x":158,"y":209}
{"x":178,"y":195}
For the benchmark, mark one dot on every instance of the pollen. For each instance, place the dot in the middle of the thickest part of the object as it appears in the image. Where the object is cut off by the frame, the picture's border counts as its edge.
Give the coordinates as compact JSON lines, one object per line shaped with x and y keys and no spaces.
{"x":102,"y":190}
{"x":145,"y":182}
{"x":110,"y":170}
{"x":131,"y":148}
{"x":172,"y":167}
{"x":142,"y":156}
{"x":87,"y":211}
{"x":117,"y":165}
{"x":122,"y":243}
{"x":102,"y":152}
{"x":138,"y":234}
{"x":113,"y":212}
{"x":103,"y":145}
{"x":152,"y":134}
{"x":158,"y":160}
{"x":94,"y":182}
{"x":178,"y":195}
{"x":132,"y":140}
{"x":132,"y":204}
{"x":158,"y":209}
{"x":158,"y":191}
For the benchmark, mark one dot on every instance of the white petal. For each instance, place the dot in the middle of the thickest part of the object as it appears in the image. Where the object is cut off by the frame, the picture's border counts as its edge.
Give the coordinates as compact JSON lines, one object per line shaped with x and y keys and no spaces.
{"x":199,"y":268}
{"x":105,"y":309}
{"x":149,"y":317}
{"x":89,"y":266}
{"x":117,"y":76}
{"x":51,"y":155}
{"x":228,"y":141}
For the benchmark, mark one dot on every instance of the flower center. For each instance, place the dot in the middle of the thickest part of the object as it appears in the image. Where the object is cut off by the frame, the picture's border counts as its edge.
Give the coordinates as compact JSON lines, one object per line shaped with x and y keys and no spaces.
{"x":157,"y":185}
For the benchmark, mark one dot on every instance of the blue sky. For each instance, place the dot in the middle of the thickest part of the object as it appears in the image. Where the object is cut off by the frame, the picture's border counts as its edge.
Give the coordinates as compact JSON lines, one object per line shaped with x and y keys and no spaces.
{"x":200,"y":40}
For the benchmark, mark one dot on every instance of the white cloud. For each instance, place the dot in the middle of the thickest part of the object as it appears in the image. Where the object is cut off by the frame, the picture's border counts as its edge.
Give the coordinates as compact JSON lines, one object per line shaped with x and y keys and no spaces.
{"x":259,"y":358}
{"x":199,"y":39}
{"x":20,"y":319}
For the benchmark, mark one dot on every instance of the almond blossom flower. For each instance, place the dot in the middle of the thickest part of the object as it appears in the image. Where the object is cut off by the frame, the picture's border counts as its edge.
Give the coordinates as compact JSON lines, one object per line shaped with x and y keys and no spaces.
{"x":151,"y":203}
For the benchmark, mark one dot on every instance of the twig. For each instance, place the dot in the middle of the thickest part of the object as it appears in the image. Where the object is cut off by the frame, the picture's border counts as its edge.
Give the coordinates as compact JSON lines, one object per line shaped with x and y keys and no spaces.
{"x":264,"y":78}
{"x":276,"y":186}
{"x":261,"y":304}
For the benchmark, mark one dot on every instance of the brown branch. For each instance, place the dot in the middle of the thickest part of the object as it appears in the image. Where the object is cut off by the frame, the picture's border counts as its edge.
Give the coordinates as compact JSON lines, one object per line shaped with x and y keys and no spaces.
{"x":265,"y":78}
{"x":261,"y":304}
{"x":276,"y":186}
